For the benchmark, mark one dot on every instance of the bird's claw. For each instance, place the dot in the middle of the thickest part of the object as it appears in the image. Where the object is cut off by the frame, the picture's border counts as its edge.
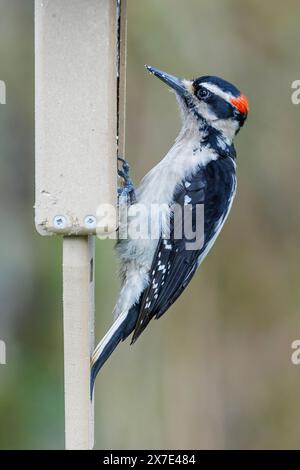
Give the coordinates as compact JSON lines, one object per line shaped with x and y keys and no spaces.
{"x":125,"y":168}
{"x":127,"y":190}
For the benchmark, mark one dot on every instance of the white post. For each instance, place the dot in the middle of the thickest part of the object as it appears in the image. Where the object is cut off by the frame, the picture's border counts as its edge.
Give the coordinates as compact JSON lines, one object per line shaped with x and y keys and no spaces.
{"x":78,"y":300}
{"x":80,"y":90}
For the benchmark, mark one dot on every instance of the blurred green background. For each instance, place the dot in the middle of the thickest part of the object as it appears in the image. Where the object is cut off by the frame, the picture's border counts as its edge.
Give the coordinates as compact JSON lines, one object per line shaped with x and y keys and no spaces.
{"x":215,"y":371}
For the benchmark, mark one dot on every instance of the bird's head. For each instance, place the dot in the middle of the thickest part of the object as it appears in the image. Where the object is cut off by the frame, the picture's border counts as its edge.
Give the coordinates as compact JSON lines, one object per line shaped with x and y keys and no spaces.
{"x":209,"y":100}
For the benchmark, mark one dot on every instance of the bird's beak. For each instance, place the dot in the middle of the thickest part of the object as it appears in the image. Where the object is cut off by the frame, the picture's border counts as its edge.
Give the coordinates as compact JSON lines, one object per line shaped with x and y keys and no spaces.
{"x":175,"y":83}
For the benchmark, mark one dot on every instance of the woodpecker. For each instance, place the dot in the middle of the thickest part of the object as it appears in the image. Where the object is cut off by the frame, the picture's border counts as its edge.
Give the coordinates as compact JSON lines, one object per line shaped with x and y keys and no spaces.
{"x":199,"y":169}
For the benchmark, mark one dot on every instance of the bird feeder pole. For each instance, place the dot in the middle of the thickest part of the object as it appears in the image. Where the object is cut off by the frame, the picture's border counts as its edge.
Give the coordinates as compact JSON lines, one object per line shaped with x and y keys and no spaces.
{"x":80,"y":108}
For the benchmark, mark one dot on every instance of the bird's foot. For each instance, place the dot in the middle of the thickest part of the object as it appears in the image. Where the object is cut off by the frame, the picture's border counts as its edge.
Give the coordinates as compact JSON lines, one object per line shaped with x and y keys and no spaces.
{"x":127,"y":190}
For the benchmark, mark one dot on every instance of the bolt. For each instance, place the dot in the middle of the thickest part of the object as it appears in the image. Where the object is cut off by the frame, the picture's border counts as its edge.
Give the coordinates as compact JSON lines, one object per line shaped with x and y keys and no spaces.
{"x":59,"y":222}
{"x":90,"y":222}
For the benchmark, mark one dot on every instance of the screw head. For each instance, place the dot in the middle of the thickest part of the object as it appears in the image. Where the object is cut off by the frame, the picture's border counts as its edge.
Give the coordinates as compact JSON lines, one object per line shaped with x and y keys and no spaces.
{"x":59,"y":222}
{"x":90,"y":222}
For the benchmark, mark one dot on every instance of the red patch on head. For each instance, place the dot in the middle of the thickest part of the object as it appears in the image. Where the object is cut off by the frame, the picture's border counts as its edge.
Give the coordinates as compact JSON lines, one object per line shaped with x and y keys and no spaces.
{"x":241,"y":103}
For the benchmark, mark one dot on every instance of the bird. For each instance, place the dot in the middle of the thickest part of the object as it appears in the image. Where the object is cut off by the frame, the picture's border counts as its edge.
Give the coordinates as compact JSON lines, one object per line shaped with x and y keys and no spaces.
{"x":198,"y":171}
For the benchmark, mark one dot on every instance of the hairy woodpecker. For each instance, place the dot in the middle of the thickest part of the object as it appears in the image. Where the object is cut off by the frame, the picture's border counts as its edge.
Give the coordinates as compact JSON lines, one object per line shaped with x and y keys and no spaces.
{"x":200,"y":168}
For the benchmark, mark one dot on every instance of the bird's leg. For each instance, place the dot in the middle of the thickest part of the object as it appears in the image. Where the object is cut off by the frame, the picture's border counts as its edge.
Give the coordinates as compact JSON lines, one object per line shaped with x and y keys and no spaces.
{"x":127,"y":190}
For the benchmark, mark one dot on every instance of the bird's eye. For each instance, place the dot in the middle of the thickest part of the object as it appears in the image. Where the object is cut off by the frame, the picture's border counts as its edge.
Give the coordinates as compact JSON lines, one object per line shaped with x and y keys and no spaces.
{"x":203,"y":93}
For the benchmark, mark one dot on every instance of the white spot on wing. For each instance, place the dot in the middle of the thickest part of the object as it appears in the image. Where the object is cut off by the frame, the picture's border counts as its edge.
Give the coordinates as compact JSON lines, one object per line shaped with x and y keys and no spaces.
{"x":221,"y":143}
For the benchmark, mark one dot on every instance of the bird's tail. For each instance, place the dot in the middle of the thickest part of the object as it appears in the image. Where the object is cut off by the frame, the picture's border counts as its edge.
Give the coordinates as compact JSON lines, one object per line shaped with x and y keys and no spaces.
{"x":120,"y":329}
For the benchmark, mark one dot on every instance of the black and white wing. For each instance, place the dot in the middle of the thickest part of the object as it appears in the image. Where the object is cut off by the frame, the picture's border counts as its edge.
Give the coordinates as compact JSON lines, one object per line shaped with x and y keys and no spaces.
{"x":174,"y":262}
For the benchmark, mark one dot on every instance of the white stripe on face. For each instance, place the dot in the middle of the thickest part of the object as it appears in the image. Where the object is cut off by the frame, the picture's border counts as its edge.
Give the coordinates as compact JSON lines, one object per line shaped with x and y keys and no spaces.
{"x":217,"y":91}
{"x":206,"y":111}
